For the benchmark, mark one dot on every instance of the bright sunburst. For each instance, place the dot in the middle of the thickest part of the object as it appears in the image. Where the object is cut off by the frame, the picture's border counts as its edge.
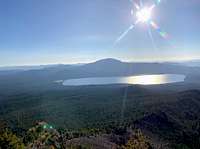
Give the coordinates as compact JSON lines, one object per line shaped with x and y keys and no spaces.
{"x":143,"y":14}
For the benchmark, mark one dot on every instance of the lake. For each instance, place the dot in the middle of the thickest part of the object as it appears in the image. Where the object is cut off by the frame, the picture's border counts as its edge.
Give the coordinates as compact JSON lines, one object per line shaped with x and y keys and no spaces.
{"x":140,"y":79}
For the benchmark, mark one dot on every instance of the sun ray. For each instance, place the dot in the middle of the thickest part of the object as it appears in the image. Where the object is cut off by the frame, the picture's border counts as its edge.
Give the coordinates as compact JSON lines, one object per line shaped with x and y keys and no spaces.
{"x":158,"y":2}
{"x":158,"y":29}
{"x":131,"y":1}
{"x":143,"y":14}
{"x":151,"y":37}
{"x":136,"y":6}
{"x":124,"y":34}
{"x":141,"y":3}
{"x":152,"y":7}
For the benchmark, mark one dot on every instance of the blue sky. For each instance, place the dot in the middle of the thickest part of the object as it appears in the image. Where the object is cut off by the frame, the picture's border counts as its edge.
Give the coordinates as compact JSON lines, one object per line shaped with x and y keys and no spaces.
{"x":72,"y":31}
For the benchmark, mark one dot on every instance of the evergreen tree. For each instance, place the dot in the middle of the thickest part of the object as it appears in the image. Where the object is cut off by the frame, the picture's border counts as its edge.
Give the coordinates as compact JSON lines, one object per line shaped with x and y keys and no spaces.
{"x":10,"y":141}
{"x":137,"y":141}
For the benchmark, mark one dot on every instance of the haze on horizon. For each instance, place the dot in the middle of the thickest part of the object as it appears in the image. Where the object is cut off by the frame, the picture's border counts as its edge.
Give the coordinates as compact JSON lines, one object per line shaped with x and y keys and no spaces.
{"x":38,"y":32}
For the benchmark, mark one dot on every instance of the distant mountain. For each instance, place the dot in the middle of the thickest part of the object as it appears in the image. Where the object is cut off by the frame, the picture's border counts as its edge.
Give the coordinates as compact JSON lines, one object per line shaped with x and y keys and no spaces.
{"x":7,"y":68}
{"x":106,"y":61}
{"x":102,"y":68}
{"x":192,"y":63}
{"x":113,"y":67}
{"x":42,"y":79}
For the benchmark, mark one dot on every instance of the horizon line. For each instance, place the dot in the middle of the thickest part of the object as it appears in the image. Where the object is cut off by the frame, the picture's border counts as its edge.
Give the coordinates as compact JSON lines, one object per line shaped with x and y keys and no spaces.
{"x":82,"y":63}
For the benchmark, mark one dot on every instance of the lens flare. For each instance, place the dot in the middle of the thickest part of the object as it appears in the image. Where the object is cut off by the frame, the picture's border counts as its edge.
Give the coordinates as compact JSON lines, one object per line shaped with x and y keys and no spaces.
{"x":161,"y":33}
{"x":158,"y":1}
{"x":144,"y":15}
{"x":137,"y":6}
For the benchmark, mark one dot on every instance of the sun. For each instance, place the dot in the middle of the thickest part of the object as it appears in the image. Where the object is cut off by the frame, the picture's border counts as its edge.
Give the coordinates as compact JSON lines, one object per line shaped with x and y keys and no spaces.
{"x":144,"y":14}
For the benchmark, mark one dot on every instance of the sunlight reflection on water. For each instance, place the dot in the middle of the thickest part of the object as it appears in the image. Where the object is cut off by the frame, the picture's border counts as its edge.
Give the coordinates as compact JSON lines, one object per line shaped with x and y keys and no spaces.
{"x":141,"y":79}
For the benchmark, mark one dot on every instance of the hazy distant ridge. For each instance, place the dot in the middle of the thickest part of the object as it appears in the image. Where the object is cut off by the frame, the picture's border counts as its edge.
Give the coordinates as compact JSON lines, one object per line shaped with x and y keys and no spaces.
{"x":102,"y":68}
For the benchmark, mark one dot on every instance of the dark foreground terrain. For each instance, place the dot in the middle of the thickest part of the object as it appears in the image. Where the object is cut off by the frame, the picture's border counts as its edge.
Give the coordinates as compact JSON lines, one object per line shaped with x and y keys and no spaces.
{"x":36,"y":112}
{"x":110,"y":113}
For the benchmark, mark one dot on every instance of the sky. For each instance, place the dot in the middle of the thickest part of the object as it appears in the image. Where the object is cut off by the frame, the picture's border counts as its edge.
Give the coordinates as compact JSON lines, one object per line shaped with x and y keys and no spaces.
{"x":34,"y":32}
